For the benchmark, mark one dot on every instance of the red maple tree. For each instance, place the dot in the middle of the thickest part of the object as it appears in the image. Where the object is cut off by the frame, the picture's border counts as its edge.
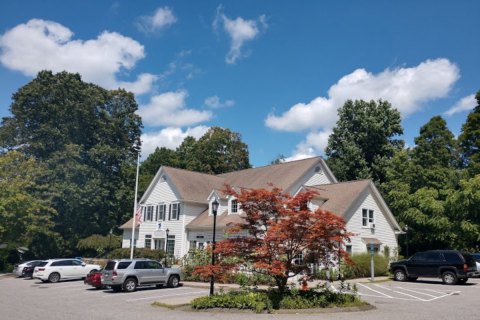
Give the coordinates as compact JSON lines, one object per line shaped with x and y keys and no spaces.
{"x":277,"y":228}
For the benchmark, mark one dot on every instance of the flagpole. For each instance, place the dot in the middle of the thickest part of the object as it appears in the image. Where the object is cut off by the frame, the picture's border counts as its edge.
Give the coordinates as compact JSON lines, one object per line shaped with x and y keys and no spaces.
{"x":134,"y":209}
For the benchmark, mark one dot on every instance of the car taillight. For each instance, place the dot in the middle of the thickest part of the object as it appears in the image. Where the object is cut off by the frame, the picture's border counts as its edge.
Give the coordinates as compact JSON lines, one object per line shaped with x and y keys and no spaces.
{"x":41,"y":269}
{"x":465,"y":267}
{"x":114,"y":273}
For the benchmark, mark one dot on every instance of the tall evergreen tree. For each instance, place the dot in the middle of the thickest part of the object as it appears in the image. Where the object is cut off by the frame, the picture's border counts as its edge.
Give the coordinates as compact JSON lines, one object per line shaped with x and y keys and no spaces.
{"x":364,"y":140}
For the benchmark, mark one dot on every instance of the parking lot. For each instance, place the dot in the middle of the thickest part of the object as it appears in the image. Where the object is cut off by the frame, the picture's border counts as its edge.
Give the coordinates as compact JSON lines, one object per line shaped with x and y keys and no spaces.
{"x":32,"y":299}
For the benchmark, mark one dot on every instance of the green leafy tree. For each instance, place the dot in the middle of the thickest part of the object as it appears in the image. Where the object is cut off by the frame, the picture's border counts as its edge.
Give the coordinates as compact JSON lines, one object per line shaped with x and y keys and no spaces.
{"x":364,"y":140}
{"x":419,"y":184}
{"x":24,"y":214}
{"x":88,"y":138}
{"x":221,"y":150}
{"x":463,"y":208}
{"x":469,"y":139}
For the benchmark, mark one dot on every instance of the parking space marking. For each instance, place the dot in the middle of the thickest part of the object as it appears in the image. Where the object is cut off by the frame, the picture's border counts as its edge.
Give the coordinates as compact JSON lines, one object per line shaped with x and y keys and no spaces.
{"x":367,"y":287}
{"x":169,"y":295}
{"x":417,"y":294}
{"x":111,"y":294}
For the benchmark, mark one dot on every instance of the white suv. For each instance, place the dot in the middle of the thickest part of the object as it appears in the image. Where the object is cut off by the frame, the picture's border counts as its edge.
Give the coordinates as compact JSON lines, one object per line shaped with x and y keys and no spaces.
{"x":54,"y":270}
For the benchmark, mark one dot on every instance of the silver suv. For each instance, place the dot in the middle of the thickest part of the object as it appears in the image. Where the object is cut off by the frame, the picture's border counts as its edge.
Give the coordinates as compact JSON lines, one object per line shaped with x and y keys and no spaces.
{"x":127,"y":275}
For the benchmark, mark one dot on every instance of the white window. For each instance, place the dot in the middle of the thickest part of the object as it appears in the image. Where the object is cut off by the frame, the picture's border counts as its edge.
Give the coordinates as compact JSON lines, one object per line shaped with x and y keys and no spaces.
{"x":148,"y":241}
{"x":367,"y":217}
{"x":148,"y":213}
{"x":193,"y":245}
{"x":349,"y":248}
{"x":161,"y":209}
{"x":174,"y":211}
{"x":234,"y":206}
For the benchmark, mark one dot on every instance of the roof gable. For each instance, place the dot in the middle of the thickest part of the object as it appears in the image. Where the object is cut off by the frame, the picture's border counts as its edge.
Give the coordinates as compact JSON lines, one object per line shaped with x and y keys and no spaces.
{"x":341,"y":197}
{"x":283,"y":175}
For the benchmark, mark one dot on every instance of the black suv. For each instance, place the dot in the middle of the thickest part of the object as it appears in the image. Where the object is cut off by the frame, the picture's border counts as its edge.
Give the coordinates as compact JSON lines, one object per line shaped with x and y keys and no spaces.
{"x":450,"y":265}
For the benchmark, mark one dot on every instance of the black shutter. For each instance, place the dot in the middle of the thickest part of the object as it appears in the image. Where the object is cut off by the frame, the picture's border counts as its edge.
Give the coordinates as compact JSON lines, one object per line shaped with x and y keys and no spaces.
{"x":178,"y":211}
{"x":170,"y":212}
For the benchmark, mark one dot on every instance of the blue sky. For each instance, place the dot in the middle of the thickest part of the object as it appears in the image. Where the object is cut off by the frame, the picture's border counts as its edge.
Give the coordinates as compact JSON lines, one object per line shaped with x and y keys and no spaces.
{"x":274,"y":71}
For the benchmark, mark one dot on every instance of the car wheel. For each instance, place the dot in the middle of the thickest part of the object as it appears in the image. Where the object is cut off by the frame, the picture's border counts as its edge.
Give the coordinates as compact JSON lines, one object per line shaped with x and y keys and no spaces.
{"x":399,"y":275}
{"x":54,"y":277}
{"x":92,"y":271}
{"x":412,"y":278}
{"x":173,"y":282}
{"x":449,"y":277}
{"x":130,"y":285}
{"x":116,"y":288}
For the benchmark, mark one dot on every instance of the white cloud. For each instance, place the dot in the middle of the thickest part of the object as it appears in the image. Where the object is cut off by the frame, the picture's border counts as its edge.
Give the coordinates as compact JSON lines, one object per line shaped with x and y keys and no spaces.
{"x":40,"y":44}
{"x":170,"y":138}
{"x":162,"y":18}
{"x":214,"y":102}
{"x":465,"y":104}
{"x":407,"y":89}
{"x":239,"y":31}
{"x":169,"y":109}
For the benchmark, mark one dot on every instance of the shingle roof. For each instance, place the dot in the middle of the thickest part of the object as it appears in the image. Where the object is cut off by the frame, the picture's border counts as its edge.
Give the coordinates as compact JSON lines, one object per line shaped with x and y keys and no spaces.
{"x":128,"y":224}
{"x":204,"y":221}
{"x":193,"y":186}
{"x":340,"y":196}
{"x":282,"y":175}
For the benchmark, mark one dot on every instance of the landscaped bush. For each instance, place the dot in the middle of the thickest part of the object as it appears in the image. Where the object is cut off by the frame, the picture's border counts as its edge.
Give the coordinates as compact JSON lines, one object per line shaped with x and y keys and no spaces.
{"x":193,"y":259}
{"x":124,"y":253}
{"x":361,"y":266}
{"x":260,"y":301}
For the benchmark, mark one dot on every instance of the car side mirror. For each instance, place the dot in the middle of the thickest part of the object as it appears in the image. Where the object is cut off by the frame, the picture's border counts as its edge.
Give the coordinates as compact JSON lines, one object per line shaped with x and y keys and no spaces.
{"x":83,"y":264}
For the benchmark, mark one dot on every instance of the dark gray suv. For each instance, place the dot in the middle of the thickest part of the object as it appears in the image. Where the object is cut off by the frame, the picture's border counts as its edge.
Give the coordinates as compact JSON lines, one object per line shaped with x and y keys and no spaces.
{"x":450,"y":265}
{"x":127,"y":275}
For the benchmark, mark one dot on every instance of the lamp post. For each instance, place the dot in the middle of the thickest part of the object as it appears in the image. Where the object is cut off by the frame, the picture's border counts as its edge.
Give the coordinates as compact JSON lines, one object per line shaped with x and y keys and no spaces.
{"x":406,"y":238}
{"x":166,"y":247}
{"x":214,"y":212}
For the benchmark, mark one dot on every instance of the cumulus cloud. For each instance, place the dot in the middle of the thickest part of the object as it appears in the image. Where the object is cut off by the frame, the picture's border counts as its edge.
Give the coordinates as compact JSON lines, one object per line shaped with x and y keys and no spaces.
{"x":407,"y":89}
{"x":161,"y":19}
{"x":240,"y":31}
{"x":214,"y":102}
{"x":170,"y":138}
{"x":169,"y":109}
{"x":40,"y":44}
{"x":465,"y":104}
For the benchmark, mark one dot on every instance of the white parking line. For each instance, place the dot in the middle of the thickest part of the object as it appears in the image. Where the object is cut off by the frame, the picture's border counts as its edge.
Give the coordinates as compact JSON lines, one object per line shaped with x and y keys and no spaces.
{"x":419,"y":292}
{"x":140,"y":292}
{"x":411,"y":297}
{"x":383,"y":294}
{"x":169,"y":295}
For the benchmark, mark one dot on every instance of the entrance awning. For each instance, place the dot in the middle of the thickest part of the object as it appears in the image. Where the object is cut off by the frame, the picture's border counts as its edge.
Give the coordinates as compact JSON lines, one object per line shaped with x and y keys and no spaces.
{"x":371,"y":241}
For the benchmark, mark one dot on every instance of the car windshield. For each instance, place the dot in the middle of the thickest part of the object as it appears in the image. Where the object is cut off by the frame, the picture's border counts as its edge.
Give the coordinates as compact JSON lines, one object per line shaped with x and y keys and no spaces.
{"x":42,"y":264}
{"x":476,"y":256}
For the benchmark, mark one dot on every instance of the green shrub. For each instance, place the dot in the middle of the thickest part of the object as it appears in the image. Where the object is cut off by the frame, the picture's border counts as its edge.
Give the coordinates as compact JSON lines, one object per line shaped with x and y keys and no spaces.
{"x":194,"y":259}
{"x":361,"y":266}
{"x":261,"y":301}
{"x":124,"y":253}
